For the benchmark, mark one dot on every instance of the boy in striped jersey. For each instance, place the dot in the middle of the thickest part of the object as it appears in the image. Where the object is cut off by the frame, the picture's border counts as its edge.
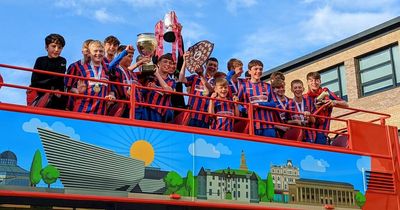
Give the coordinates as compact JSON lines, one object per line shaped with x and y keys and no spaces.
{"x":95,"y":69}
{"x":161,"y":80}
{"x":197,"y":85}
{"x":111,"y":44}
{"x":74,"y":85}
{"x":304,"y":105}
{"x":281,"y":101}
{"x":224,"y":108}
{"x":124,"y":74}
{"x":331,"y":100}
{"x":256,"y":92}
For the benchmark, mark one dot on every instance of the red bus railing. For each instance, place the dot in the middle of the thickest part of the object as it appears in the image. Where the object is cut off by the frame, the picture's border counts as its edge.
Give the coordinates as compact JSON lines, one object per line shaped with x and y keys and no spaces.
{"x":249,"y":121}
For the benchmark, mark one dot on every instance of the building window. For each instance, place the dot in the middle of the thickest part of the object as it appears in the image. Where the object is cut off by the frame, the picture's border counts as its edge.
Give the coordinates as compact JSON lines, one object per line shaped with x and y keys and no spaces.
{"x":238,"y":194}
{"x":247,"y":186}
{"x":209,"y":192}
{"x":238,"y":185}
{"x":217,"y":192}
{"x":380,"y":71}
{"x":247,"y":194}
{"x":335,"y":80}
{"x":210,"y":184}
{"x":219,"y":184}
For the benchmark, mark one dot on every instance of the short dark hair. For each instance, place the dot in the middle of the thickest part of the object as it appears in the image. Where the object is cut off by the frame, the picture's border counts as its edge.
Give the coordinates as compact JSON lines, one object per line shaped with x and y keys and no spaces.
{"x":167,"y":56}
{"x":313,"y":75}
{"x":296,"y":81}
{"x":221,"y":82}
{"x":212,"y":59}
{"x":54,"y":38}
{"x":112,"y":40}
{"x":233,"y":62}
{"x":278,"y":83}
{"x":219,"y":74}
{"x":277,"y":75}
{"x":255,"y":63}
{"x":247,"y":74}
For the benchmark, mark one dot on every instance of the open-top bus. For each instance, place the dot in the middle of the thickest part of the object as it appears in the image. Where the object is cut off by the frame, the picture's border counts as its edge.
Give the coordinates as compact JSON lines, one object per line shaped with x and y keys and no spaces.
{"x":54,"y":159}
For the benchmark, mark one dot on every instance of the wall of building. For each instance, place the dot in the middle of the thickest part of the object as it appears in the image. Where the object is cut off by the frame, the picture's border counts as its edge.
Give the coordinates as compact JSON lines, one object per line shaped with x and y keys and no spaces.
{"x":387,"y":101}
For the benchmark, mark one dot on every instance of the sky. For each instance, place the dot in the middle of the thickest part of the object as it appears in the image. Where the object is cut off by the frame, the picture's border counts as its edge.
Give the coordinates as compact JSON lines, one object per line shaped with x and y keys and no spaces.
{"x":178,"y":151}
{"x":274,"y":32}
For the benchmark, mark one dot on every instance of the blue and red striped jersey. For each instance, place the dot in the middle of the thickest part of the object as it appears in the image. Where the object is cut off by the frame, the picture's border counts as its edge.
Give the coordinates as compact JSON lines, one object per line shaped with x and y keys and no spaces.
{"x":223,"y":123}
{"x":257,"y":93}
{"x":307,"y":105}
{"x":322,"y":123}
{"x":75,"y":70}
{"x":126,"y":77}
{"x":281,"y":104}
{"x":198,"y":104}
{"x":88,"y":105}
{"x":160,"y":98}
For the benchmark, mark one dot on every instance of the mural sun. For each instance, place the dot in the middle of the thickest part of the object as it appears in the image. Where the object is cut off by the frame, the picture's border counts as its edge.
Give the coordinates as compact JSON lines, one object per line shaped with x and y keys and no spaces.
{"x":142,"y":150}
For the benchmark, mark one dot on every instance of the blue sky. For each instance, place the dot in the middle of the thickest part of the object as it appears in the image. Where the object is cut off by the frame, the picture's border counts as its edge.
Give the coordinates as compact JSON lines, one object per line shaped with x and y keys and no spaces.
{"x":180,"y":151}
{"x":272,"y":31}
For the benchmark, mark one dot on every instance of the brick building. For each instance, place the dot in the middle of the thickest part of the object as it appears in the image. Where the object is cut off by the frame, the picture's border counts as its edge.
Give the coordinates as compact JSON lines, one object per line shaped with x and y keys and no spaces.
{"x":363,"y":69}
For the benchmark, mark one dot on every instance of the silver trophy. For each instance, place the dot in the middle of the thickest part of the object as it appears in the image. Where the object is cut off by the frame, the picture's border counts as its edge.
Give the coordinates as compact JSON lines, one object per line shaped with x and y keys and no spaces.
{"x":146,"y":45}
{"x":169,"y":35}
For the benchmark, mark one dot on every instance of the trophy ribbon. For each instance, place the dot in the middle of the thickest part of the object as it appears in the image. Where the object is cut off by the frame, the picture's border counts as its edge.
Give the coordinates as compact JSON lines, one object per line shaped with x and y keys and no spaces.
{"x":159,"y":33}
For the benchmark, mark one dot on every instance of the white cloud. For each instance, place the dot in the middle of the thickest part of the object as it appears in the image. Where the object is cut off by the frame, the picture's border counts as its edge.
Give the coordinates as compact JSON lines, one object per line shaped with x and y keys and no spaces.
{"x":233,"y":5}
{"x":224,"y":150}
{"x":201,"y":148}
{"x":34,"y":123}
{"x":314,"y":165}
{"x":364,"y":163}
{"x":103,"y":16}
{"x":328,"y":24}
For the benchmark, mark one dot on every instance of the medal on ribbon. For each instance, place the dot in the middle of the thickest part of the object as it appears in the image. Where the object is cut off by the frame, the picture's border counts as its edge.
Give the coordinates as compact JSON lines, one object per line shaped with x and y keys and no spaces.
{"x":97,"y":88}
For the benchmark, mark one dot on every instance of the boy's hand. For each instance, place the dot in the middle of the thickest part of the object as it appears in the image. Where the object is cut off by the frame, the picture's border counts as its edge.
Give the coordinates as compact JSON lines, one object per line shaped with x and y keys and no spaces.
{"x":130,"y":49}
{"x":235,"y":98}
{"x":186,"y":56}
{"x":214,"y":95}
{"x":57,"y":94}
{"x":81,"y":86}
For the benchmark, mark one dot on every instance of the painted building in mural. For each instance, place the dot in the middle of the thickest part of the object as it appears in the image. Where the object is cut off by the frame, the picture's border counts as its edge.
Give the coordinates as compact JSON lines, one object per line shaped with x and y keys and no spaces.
{"x":10,"y":172}
{"x":282,"y":176}
{"x":227,"y":184}
{"x":87,"y":166}
{"x":320,"y":192}
{"x":240,"y":185}
{"x":153,"y":181}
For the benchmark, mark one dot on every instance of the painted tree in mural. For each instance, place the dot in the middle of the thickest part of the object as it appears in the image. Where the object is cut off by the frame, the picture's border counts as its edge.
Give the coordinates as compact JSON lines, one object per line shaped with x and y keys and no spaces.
{"x":270,"y":188}
{"x":50,"y":174}
{"x":360,"y":199}
{"x":36,"y":167}
{"x":173,"y":181}
{"x":262,"y":188}
{"x":189,"y":183}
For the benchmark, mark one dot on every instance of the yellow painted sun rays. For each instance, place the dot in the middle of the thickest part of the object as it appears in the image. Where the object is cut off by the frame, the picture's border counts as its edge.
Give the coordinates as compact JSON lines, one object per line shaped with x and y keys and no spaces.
{"x":142,"y":150}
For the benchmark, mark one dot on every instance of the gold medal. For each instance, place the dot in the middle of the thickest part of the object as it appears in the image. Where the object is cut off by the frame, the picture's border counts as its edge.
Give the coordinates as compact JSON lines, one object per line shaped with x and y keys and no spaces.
{"x":96,"y":88}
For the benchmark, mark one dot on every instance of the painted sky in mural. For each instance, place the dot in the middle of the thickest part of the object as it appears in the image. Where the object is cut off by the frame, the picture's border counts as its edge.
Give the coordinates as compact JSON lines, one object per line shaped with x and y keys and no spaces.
{"x":177,"y":151}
